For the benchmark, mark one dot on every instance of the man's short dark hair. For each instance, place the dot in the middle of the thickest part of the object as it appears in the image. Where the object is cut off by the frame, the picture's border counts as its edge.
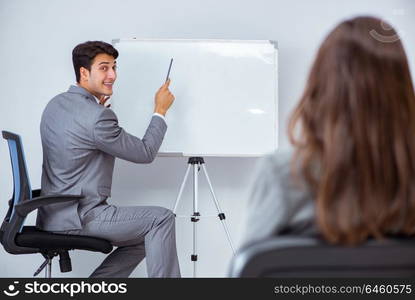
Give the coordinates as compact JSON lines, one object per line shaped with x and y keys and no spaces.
{"x":84,"y":54}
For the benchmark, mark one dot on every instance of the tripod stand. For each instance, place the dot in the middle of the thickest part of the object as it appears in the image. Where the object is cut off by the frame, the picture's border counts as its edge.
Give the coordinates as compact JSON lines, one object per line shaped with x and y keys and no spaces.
{"x":198,"y":162}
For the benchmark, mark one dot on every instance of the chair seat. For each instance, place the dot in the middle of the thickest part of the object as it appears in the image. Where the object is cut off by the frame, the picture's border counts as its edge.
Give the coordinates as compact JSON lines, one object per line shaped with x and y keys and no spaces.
{"x":35,"y":238}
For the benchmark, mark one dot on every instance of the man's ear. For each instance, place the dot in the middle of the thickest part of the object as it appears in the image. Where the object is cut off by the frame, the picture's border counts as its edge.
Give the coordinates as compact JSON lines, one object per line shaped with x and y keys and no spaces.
{"x":84,"y":72}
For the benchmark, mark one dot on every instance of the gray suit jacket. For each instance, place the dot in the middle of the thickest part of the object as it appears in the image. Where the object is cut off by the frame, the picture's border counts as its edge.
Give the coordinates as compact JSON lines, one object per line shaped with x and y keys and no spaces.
{"x":278,"y":204}
{"x":80,"y":140}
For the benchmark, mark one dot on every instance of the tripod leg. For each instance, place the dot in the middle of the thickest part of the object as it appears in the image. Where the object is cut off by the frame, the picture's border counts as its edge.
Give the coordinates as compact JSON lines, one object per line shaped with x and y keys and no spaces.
{"x":193,"y":257}
{"x":196,"y":214}
{"x":221,"y":215}
{"x":181,"y":190}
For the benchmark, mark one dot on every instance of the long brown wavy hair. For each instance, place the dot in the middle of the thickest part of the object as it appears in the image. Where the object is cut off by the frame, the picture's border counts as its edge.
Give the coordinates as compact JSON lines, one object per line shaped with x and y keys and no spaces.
{"x":354,"y":134}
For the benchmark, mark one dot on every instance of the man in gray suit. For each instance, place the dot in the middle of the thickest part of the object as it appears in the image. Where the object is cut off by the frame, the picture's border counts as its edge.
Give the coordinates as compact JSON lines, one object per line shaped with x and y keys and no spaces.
{"x":80,"y":139}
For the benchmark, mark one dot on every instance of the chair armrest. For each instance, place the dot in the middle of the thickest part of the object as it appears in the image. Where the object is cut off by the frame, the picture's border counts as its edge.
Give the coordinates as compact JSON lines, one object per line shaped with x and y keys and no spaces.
{"x":24,"y":208}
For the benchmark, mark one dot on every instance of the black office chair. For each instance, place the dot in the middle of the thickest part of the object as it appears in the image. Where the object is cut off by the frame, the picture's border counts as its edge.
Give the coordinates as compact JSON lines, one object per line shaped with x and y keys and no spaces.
{"x":19,"y":239}
{"x":293,"y":257}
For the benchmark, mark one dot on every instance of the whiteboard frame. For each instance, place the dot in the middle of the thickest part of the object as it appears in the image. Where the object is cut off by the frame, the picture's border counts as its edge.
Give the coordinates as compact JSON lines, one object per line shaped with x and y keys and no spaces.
{"x":276,"y":90}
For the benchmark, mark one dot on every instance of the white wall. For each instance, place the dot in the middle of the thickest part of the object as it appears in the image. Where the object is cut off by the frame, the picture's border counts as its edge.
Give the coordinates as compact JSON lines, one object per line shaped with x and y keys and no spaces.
{"x":37,"y":38}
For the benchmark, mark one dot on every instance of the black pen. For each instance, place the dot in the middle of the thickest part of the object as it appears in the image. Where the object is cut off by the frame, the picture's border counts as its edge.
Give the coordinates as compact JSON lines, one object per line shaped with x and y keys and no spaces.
{"x":168,"y":72}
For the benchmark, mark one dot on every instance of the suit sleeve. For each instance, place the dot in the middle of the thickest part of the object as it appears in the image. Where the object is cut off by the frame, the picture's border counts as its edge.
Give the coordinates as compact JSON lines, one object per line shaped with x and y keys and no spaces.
{"x":109,"y":137}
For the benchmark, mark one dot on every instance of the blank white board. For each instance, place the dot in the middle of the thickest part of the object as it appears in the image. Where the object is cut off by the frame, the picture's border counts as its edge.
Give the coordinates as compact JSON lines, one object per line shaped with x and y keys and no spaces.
{"x":226,"y":94}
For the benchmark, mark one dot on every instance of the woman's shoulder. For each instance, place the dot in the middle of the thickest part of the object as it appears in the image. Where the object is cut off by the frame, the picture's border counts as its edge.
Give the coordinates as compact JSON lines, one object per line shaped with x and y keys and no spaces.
{"x":278,"y":163}
{"x":277,"y":168}
{"x":277,"y":202}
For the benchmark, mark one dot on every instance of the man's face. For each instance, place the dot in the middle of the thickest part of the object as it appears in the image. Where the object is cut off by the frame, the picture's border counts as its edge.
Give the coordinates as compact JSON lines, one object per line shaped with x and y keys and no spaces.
{"x":100,"y":79}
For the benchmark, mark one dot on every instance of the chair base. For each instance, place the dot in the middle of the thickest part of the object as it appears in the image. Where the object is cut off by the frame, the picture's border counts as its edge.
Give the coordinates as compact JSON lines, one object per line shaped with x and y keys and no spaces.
{"x":64,"y":262}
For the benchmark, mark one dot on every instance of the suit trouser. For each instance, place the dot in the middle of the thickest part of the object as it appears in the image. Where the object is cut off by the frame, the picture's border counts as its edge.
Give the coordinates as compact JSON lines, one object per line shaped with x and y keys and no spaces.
{"x":138,"y":232}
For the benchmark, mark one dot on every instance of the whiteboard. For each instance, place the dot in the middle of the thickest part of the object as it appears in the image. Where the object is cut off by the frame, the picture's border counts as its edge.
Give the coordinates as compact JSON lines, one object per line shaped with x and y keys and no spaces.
{"x":226,"y":94}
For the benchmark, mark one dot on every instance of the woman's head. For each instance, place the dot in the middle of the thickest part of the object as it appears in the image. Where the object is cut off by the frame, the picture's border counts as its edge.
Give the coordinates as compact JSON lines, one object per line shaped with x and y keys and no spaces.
{"x":355,"y":123}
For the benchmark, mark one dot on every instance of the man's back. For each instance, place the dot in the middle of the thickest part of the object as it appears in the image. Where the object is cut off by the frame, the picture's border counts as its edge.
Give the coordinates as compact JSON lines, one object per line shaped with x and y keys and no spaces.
{"x":80,"y":139}
{"x":71,"y":162}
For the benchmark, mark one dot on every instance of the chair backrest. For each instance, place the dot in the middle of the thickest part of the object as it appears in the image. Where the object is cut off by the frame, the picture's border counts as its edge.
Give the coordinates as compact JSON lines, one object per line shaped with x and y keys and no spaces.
{"x":21,"y":183}
{"x":290,"y":257}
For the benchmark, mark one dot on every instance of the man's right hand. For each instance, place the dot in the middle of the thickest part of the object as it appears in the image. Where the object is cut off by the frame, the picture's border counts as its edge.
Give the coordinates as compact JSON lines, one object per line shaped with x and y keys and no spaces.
{"x":163,"y":99}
